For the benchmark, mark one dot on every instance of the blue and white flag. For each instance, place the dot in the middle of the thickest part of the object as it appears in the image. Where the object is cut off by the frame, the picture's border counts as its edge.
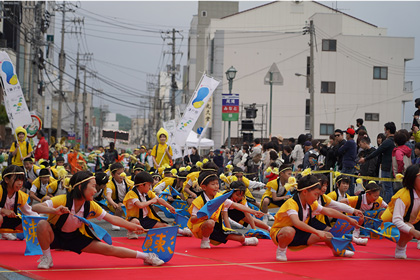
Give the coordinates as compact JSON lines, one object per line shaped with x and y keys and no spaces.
{"x":165,"y":211}
{"x":161,"y":241}
{"x":389,"y":231}
{"x":29,"y":224}
{"x":342,"y":227}
{"x":181,"y":221}
{"x":341,"y":244}
{"x":210,"y":207}
{"x":258,"y":233}
{"x":174,"y":192}
{"x":99,"y":232}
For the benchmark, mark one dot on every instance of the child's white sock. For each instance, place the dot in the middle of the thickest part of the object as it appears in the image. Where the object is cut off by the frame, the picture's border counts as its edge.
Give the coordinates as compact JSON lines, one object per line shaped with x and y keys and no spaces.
{"x":356,"y":232}
{"x":141,"y":255}
{"x":269,"y":228}
{"x":180,"y":231}
{"x":47,"y":252}
{"x":401,"y":248}
{"x":206,"y":238}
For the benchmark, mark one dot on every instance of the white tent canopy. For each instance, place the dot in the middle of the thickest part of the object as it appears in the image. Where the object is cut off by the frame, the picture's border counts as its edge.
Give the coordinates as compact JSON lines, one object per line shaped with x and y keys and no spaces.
{"x":192,"y":141}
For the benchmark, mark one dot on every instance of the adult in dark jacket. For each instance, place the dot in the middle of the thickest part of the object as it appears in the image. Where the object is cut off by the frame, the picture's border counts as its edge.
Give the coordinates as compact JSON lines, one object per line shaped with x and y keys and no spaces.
{"x":338,"y":143}
{"x":369,"y":167}
{"x":348,"y":151}
{"x":386,"y":163}
{"x":328,"y":152}
{"x":192,"y":158}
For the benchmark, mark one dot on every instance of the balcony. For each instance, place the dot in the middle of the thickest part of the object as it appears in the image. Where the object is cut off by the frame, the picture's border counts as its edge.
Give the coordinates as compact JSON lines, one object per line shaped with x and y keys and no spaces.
{"x":408,"y":86}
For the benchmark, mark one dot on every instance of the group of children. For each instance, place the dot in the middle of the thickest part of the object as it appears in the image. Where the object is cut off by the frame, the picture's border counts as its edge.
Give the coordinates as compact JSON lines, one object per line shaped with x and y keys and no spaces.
{"x":305,"y":215}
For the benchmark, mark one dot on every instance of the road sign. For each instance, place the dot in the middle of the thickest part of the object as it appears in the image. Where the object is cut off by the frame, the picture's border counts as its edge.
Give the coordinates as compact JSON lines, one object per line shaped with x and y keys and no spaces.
{"x":230,"y":107}
{"x":277,"y":78}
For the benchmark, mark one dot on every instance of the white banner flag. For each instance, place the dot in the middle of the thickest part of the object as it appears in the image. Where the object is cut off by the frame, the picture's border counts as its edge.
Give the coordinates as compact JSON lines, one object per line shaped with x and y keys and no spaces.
{"x":170,"y":127}
{"x":14,"y":101}
{"x":197,"y":103}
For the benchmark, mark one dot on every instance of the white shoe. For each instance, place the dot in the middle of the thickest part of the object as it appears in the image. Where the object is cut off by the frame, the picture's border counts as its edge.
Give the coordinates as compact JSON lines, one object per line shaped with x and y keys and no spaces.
{"x":400,"y":253}
{"x":153,"y":259}
{"x":187,"y":232}
{"x":348,"y":254}
{"x":115,"y":227}
{"x":281,"y":255}
{"x":270,"y":217}
{"x":132,"y":235}
{"x":205,"y":244}
{"x":8,"y":236}
{"x":418,"y":244}
{"x":45,"y":262}
{"x":251,"y":241}
{"x":265,"y":219}
{"x":360,"y":241}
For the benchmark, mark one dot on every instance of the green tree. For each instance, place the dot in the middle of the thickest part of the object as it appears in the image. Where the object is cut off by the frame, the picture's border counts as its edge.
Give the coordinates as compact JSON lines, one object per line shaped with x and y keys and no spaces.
{"x":3,"y":116}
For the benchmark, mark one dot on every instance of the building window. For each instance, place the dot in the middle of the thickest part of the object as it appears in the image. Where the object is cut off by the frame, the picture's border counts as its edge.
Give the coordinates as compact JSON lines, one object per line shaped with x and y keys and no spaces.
{"x":373,"y":117}
{"x":204,"y":13}
{"x":307,"y":115}
{"x":327,"y":87}
{"x":329,"y":45}
{"x":326,"y":128}
{"x":380,"y":73}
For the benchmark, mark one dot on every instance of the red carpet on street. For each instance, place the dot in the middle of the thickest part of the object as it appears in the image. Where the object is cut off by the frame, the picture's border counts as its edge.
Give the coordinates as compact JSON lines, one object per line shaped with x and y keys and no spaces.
{"x":230,"y":261}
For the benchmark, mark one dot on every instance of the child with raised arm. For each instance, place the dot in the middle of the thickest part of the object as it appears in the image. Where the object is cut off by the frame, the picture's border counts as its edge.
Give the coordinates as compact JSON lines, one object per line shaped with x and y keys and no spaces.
{"x":293,"y":225}
{"x":404,"y":211}
{"x":64,"y":231}
{"x":211,"y":229}
{"x":138,"y":202}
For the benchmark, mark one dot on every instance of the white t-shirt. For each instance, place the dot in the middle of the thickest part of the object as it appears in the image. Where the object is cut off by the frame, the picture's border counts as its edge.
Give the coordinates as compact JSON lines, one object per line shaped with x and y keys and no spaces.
{"x":43,"y":189}
{"x":305,"y":211}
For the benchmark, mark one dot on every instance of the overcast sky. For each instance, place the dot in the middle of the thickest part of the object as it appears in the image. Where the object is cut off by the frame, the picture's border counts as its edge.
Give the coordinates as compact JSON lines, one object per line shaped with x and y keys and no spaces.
{"x":126,"y":43}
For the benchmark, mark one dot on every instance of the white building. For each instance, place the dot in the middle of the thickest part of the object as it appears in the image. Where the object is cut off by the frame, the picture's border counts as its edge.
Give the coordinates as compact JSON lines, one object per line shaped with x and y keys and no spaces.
{"x":359,"y":70}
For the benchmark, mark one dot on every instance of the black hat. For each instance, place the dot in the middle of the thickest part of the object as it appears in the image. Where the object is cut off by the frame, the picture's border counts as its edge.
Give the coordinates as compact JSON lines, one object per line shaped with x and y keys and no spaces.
{"x":45,"y":163}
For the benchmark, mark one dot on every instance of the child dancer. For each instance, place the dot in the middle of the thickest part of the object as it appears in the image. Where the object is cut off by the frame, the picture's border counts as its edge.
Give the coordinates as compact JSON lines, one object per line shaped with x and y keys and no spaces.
{"x":404,"y":211}
{"x":138,"y":201}
{"x":39,"y":186}
{"x":369,"y":200}
{"x":236,"y":208}
{"x":116,"y":189}
{"x":12,"y":198}
{"x":64,"y":231}
{"x":293,"y":225}
{"x":342,"y":185}
{"x":211,"y":229}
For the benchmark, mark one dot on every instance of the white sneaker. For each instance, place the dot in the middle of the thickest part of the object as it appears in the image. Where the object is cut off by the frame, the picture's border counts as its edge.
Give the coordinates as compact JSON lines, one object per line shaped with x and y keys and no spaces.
{"x":360,"y":241}
{"x":281,"y":255}
{"x":45,"y":262}
{"x":205,"y":244}
{"x":270,"y":217}
{"x":115,"y":228}
{"x":265,"y":219}
{"x":418,"y":244}
{"x":251,"y":241}
{"x":187,"y":232}
{"x":153,"y":259}
{"x":348,"y":254}
{"x":132,"y":235}
{"x":400,"y":254}
{"x":8,"y":236}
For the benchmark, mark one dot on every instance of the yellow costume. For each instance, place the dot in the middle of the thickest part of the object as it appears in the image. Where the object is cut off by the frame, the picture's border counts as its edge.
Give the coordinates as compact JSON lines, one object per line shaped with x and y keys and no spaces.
{"x":113,"y":186}
{"x":158,"y":150}
{"x":135,"y":212}
{"x":407,"y":197}
{"x":193,"y":176}
{"x":25,"y":148}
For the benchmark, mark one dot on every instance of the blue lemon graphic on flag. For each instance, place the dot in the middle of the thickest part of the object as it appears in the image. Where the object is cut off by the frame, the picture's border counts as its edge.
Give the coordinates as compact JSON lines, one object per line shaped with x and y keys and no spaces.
{"x":7,"y":68}
{"x":201,"y":94}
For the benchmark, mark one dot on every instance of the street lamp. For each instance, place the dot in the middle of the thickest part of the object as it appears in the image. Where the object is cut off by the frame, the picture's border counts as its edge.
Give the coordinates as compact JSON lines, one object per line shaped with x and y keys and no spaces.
{"x":311,"y":101}
{"x":230,"y":75}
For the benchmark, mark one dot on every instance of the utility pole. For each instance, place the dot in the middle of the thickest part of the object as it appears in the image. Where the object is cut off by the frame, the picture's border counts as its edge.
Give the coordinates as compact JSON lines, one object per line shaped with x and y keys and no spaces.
{"x":311,"y":79}
{"x":76,"y":98}
{"x":84,"y":134}
{"x":173,"y":69}
{"x":35,"y":58}
{"x":61,"y":66}
{"x":174,"y":86}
